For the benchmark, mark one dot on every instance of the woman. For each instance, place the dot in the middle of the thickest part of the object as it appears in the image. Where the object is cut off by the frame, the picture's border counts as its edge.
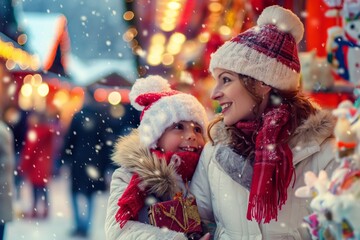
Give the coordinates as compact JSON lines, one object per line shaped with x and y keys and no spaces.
{"x":267,"y":136}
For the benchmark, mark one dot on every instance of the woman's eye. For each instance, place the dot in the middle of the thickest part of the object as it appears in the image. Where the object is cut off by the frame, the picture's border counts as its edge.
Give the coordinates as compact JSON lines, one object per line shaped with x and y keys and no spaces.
{"x":226,"y":80}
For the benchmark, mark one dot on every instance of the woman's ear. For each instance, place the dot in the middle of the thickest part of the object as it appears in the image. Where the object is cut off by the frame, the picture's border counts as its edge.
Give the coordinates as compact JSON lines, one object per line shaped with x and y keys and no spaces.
{"x":262,"y":89}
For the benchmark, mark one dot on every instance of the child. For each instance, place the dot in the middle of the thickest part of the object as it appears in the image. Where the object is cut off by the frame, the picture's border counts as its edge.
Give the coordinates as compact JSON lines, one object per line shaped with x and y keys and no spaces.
{"x":157,"y":159}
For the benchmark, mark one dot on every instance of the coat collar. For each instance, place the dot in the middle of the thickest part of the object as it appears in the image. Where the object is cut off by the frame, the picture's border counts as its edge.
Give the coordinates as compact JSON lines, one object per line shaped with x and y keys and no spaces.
{"x":317,"y":127}
{"x":129,"y":153}
{"x":311,"y":134}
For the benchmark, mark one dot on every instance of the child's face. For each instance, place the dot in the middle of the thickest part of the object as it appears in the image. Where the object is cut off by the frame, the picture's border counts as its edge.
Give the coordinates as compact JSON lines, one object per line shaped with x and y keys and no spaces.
{"x":181,"y":137}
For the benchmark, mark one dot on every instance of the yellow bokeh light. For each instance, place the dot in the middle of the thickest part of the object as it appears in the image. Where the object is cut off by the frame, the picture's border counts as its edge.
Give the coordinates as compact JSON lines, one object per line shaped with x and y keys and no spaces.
{"x":167,"y":59}
{"x":167,"y":27}
{"x":153,"y":59}
{"x":178,"y":38}
{"x":27,"y":78}
{"x":114,"y":98}
{"x":15,"y":56}
{"x":26,"y":90}
{"x":171,"y":13}
{"x":204,"y":37}
{"x":215,"y":7}
{"x":173,"y":48}
{"x":43,"y":89}
{"x":139,"y":51}
{"x":174,"y":5}
{"x":128,"y":15}
{"x":32,"y":136}
{"x":11,"y":89}
{"x":36,"y":80}
{"x":168,"y":21}
{"x":158,"y":38}
{"x":60,"y":98}
{"x":156,"y":49}
{"x":25,"y":103}
{"x":225,"y":30}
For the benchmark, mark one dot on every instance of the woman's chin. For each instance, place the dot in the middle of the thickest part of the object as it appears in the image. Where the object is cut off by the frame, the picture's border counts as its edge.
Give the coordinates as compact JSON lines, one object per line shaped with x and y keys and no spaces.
{"x":228,"y":122}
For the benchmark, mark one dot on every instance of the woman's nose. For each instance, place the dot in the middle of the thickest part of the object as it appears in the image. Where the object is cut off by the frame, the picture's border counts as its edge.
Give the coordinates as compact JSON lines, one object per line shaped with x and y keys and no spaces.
{"x":215,"y":94}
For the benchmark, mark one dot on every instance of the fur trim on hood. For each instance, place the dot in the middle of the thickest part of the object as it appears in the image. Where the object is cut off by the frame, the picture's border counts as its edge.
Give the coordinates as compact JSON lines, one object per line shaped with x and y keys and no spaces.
{"x":161,"y":179}
{"x":318,"y":126}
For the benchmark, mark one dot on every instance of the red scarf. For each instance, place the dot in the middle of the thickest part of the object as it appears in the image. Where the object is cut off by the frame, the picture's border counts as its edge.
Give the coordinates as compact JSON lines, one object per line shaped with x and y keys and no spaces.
{"x":133,"y":198}
{"x":273,"y":166}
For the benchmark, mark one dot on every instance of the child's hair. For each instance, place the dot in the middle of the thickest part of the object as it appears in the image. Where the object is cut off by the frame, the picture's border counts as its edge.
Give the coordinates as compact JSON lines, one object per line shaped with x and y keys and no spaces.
{"x":161,"y":107}
{"x":301,"y":108}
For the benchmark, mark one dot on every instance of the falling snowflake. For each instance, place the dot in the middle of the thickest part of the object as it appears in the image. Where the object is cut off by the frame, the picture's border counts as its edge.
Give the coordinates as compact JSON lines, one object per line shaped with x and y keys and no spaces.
{"x":92,"y":172}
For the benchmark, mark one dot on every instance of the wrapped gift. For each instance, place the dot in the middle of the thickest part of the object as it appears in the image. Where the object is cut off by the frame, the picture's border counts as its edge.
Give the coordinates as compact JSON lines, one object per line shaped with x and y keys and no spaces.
{"x":180,"y":214}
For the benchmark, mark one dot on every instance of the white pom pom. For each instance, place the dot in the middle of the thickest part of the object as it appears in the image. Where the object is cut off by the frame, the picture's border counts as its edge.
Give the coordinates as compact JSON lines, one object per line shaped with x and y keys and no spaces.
{"x":152,"y":83}
{"x":283,"y":19}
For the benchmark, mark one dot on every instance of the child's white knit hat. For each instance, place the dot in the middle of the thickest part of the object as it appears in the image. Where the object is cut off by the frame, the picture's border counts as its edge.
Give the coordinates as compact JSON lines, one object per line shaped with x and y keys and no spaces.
{"x":161,"y":107}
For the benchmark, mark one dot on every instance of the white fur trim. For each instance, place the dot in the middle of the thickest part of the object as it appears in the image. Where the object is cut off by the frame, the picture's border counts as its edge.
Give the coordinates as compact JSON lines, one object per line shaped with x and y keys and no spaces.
{"x":167,"y":111}
{"x":241,"y":59}
{"x":284,"y":19}
{"x":152,"y":83}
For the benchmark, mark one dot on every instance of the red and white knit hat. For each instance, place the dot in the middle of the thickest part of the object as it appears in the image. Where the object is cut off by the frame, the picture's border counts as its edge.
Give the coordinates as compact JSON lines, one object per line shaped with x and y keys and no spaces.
{"x":161,"y":107}
{"x":267,"y":52}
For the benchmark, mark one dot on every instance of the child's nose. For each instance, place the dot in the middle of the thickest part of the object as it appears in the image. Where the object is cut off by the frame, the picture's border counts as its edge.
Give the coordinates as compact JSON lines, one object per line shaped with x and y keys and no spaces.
{"x":190,"y":135}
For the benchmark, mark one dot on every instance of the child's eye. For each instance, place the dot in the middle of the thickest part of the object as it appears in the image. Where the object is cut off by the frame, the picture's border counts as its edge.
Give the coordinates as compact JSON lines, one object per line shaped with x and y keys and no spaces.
{"x":198,"y":129}
{"x":178,"y":126}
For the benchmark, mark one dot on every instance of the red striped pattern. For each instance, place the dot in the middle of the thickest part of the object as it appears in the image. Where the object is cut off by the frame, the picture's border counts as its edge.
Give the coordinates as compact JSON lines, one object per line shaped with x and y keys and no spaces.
{"x":273,"y":43}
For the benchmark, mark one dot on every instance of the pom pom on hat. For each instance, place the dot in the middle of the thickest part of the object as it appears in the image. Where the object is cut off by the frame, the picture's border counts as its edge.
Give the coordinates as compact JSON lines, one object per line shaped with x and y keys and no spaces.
{"x":161,"y":107}
{"x":152,"y":83}
{"x":267,"y":52}
{"x":284,"y":20}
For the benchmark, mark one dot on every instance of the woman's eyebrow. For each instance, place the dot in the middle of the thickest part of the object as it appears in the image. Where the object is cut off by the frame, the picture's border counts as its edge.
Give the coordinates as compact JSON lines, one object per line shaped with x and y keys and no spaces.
{"x":226,"y":72}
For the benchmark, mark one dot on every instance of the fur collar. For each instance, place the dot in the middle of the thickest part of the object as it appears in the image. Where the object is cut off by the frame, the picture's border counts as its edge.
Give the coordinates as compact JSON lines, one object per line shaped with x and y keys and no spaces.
{"x":161,"y":179}
{"x":318,"y":127}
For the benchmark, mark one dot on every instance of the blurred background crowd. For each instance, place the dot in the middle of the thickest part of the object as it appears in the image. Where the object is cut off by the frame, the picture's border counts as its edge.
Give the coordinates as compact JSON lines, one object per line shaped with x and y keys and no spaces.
{"x":66,"y":67}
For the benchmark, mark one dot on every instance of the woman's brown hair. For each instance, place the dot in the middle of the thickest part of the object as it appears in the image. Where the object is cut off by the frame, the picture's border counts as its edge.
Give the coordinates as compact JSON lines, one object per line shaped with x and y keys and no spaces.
{"x":300,"y":108}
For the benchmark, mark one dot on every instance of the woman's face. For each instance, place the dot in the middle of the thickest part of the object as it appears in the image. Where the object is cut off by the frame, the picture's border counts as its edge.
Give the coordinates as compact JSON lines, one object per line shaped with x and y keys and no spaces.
{"x":235,"y":100}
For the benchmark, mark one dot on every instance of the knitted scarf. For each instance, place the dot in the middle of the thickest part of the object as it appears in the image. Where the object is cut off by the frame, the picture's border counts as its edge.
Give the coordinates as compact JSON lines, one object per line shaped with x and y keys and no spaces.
{"x":133,"y":198}
{"x":273,"y":167}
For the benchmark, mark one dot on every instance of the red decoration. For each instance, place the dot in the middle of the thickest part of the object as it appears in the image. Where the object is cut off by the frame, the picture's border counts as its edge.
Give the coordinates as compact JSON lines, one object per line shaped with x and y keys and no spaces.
{"x":331,"y":100}
{"x":317,"y":22}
